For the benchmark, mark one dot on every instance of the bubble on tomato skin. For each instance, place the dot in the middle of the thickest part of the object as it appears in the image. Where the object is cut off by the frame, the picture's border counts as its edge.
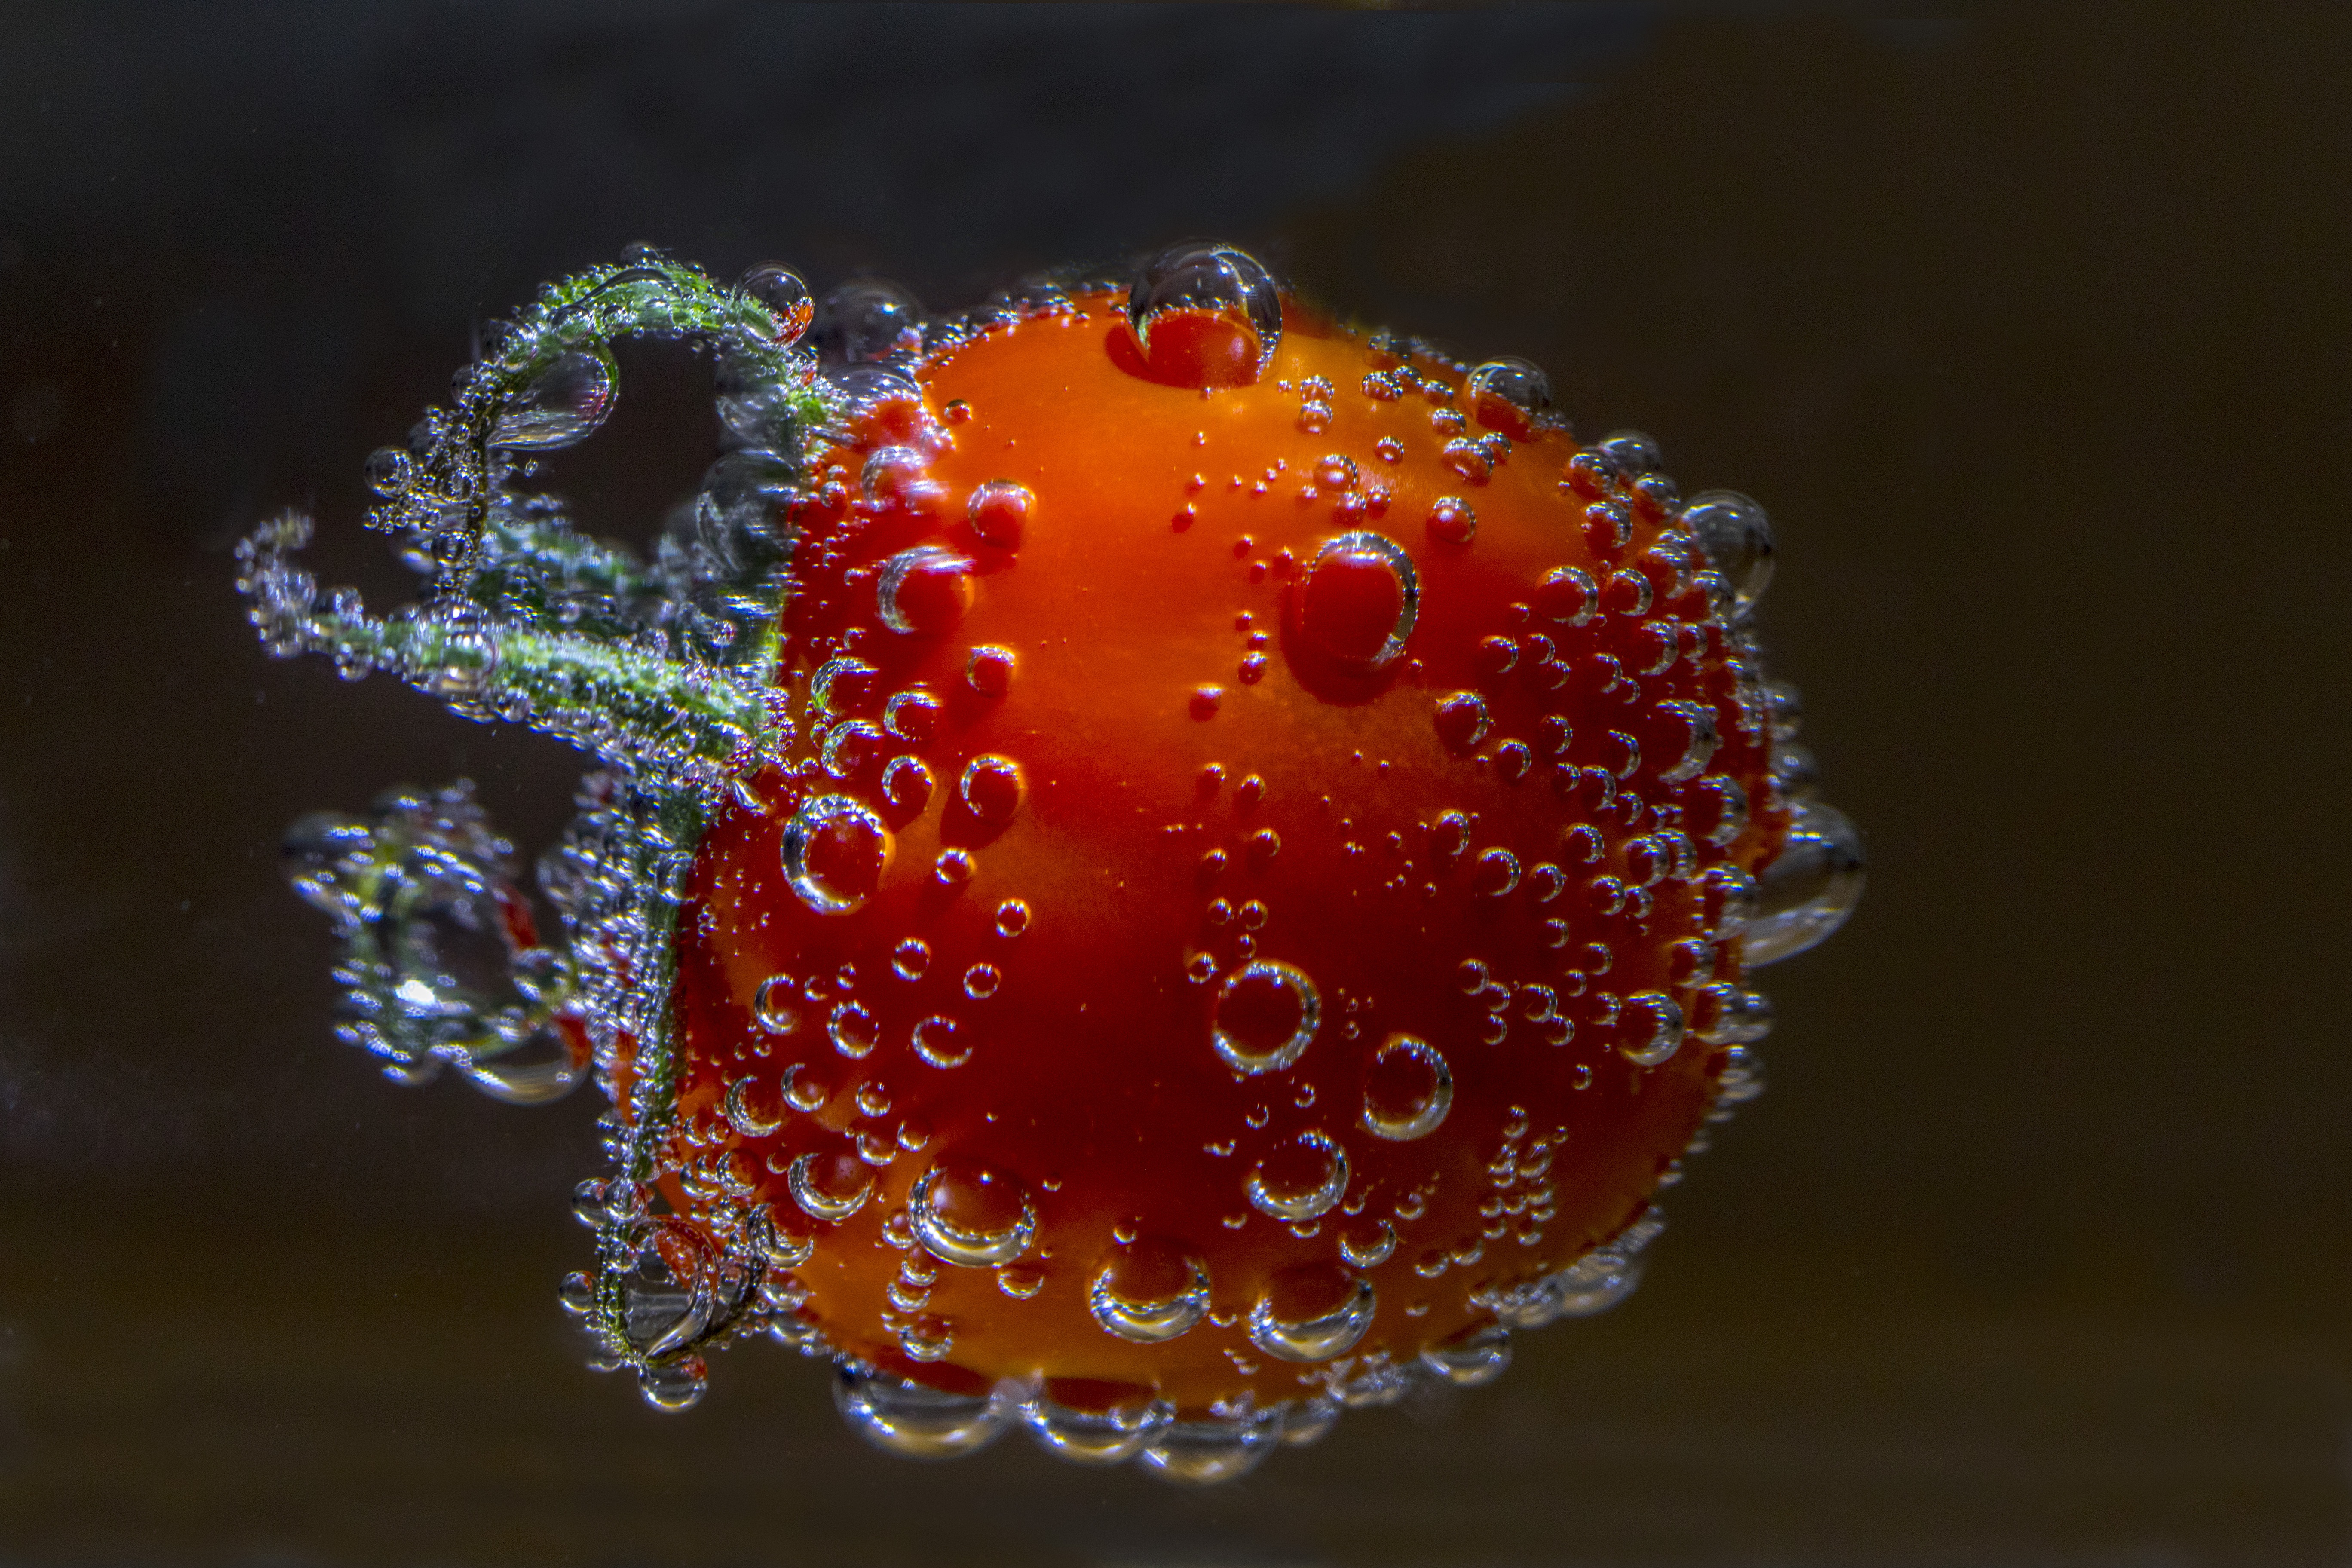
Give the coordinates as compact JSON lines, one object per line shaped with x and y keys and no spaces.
{"x":1735,"y":534}
{"x":1453,"y":522}
{"x":563,"y":403}
{"x":1367,"y":1243}
{"x":805,"y":1089}
{"x":829,"y":1187}
{"x":852,"y":1028}
{"x":923,"y":590}
{"x":1358,"y":601}
{"x":775,"y":1005}
{"x":745,"y":1117}
{"x":992,"y":787}
{"x":981,"y":980}
{"x":1796,"y":772}
{"x":1508,"y":395}
{"x":1651,"y":1027}
{"x":938,"y":1042}
{"x":999,"y":512}
{"x":850,"y":749}
{"x":1205,"y":314}
{"x":1808,"y":889}
{"x":1214,"y":1449}
{"x":1312,"y":1312}
{"x":1462,"y":720}
{"x":1494,"y":873}
{"x":1021,"y":1281}
{"x":910,"y":958}
{"x":835,"y":851}
{"x":1301,"y":1180}
{"x":989,"y":670}
{"x":912,"y":715}
{"x":1471,"y":1358}
{"x":1408,"y":1090}
{"x":1092,"y":1423}
{"x":907,"y":782}
{"x":1314,"y":416}
{"x":1726,"y":1015}
{"x":1149,"y":1291}
{"x":840,"y":686}
{"x":1568,"y":596}
{"x":1265,"y":1016}
{"x":1011,"y":918}
{"x":953,"y":867}
{"x":974,"y":1217}
{"x":1449,"y":836}
{"x":1335,"y":472}
{"x":915,"y":1420}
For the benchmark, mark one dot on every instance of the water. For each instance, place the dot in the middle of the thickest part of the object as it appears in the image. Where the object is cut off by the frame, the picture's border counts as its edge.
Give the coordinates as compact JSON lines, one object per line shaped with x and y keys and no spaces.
{"x":667,"y":672}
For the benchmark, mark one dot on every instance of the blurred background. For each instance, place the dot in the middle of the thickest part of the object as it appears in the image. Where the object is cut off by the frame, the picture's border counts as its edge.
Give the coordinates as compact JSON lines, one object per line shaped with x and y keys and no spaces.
{"x":2030,"y":328}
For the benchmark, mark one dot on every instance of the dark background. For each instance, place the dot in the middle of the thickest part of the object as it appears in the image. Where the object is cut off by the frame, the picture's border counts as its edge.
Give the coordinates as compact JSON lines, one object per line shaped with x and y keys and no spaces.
{"x":2029,"y":328}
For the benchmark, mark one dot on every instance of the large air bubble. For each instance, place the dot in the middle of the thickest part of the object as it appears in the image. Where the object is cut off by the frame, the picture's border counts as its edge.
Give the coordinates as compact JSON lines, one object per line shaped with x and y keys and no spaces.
{"x":1808,"y":889}
{"x":1206,"y":315}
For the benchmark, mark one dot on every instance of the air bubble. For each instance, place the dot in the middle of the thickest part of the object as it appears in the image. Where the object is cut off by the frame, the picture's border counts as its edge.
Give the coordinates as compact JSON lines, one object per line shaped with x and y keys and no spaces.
{"x":923,"y":590}
{"x":992,"y":787}
{"x":913,"y":716}
{"x":910,"y":958}
{"x":563,"y":402}
{"x":829,"y":1187}
{"x":785,"y":297}
{"x":868,"y":319}
{"x":1368,"y":1243}
{"x":1809,"y":888}
{"x":1264,"y":1017}
{"x":1737,"y":536}
{"x":1094,"y":1423}
{"x":916,"y":1421}
{"x":1011,"y":918}
{"x":1568,"y":596}
{"x":1359,"y":600}
{"x":852,"y":1029}
{"x":1312,"y":1312}
{"x":999,"y":511}
{"x":1408,"y":1090}
{"x":1149,"y":1291}
{"x":980,"y":980}
{"x":974,"y":1217}
{"x":1508,"y":395}
{"x":773,"y":1004}
{"x":841,"y":686}
{"x":938,"y":1042}
{"x":1302,"y":1181}
{"x":989,"y":670}
{"x":907,"y":782}
{"x":1451,"y":521}
{"x":1205,"y":1453}
{"x":1472,"y":1358}
{"x":1653,"y":1024}
{"x":835,"y":852}
{"x":1462,"y":720}
{"x":387,"y":472}
{"x":742,"y":1116}
{"x":1206,"y":315}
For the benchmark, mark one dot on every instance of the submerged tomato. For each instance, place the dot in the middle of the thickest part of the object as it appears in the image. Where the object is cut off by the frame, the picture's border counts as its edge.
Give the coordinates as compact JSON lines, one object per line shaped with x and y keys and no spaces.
{"x":1248,"y":900}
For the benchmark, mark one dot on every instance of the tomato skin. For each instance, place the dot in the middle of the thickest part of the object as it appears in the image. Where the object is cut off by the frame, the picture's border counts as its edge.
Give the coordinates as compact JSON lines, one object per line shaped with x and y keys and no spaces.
{"x":1280,"y":708}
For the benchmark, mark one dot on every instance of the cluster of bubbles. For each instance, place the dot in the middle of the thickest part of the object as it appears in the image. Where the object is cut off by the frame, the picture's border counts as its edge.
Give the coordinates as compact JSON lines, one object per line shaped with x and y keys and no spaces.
{"x":665,"y":669}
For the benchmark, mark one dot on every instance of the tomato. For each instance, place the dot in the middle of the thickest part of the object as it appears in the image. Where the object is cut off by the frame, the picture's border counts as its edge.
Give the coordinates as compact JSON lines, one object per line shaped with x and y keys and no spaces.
{"x":1204,"y":868}
{"x":1252,"y":861}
